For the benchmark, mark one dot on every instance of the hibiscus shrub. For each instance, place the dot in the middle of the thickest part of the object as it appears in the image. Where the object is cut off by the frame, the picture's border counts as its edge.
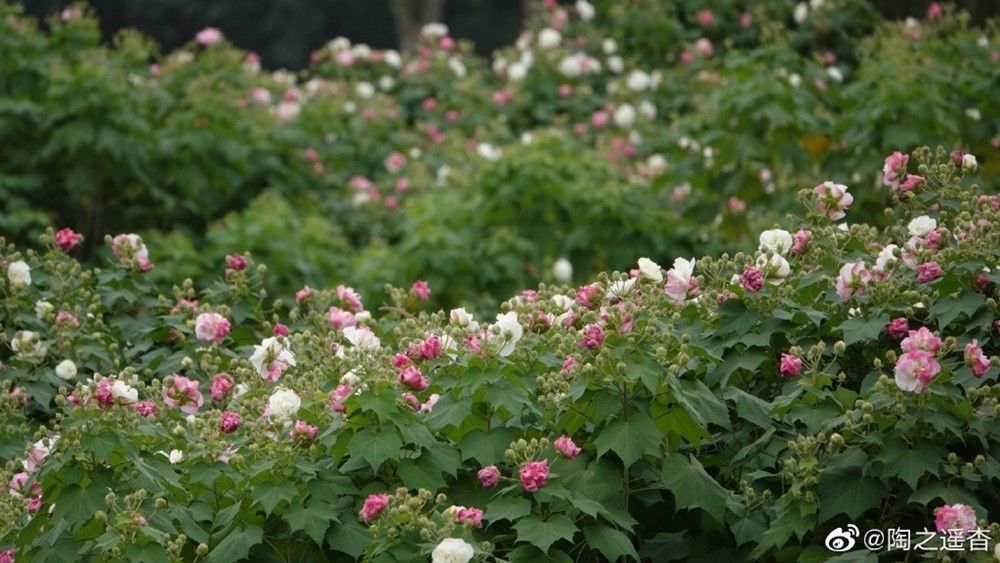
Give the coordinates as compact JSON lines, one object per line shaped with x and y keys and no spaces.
{"x":731,"y":408}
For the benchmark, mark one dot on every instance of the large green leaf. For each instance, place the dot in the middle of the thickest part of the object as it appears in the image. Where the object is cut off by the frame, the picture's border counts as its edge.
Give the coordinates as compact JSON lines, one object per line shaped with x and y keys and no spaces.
{"x":375,"y":446}
{"x":693,"y":486}
{"x":629,"y":438}
{"x":236,"y":545}
{"x":543,"y":533}
{"x":910,"y":464}
{"x":610,"y":542}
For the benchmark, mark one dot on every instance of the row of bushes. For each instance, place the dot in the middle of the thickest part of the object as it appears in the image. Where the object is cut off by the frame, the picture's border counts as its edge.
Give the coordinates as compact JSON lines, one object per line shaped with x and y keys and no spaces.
{"x":732,"y":407}
{"x":708,"y":120}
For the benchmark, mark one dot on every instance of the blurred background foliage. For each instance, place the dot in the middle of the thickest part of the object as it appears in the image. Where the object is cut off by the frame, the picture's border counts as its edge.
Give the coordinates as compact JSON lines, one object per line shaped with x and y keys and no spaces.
{"x":285,"y":32}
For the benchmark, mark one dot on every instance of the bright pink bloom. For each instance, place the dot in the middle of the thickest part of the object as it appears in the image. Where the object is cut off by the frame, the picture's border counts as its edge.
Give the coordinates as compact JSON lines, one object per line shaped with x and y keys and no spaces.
{"x":211,"y":326}
{"x":103,"y":393}
{"x":565,"y":446}
{"x":894,"y":169}
{"x":586,"y":294}
{"x":338,"y":397}
{"x":340,"y":318}
{"x":534,"y":475}
{"x":928,"y":272}
{"x":373,"y":506}
{"x":183,"y":393}
{"x":915,"y":370}
{"x":229,"y":422}
{"x":350,"y":297}
{"x":303,"y":431}
{"x":488,"y":476}
{"x":934,"y":11}
{"x":746,"y":20}
{"x":236,"y":262}
{"x":706,"y":18}
{"x":7,"y":556}
{"x":471,"y":515}
{"x":430,"y":348}
{"x":833,"y":199}
{"x":593,"y":336}
{"x":411,"y":377}
{"x":799,"y":242}
{"x":395,"y":162}
{"x":145,"y":408}
{"x":599,"y":119}
{"x":954,"y":517}
{"x":791,"y":365}
{"x":66,"y":239}
{"x":898,"y":328}
{"x":220,"y":386}
{"x":279,"y":330}
{"x":209,"y":36}
{"x":911,"y":183}
{"x":853,"y":280}
{"x":977,"y":361}
{"x":921,"y":339}
{"x":421,"y":289}
{"x":302,"y":294}
{"x":752,"y":279}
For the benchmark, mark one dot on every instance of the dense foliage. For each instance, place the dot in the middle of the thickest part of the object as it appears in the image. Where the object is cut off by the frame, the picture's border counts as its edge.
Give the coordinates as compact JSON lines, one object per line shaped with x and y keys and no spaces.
{"x":705,"y":122}
{"x":729,"y":408}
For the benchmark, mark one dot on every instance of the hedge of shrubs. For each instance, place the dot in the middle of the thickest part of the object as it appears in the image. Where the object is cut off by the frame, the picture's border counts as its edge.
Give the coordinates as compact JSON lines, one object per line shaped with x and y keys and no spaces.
{"x":686,"y":128}
{"x":728,"y":407}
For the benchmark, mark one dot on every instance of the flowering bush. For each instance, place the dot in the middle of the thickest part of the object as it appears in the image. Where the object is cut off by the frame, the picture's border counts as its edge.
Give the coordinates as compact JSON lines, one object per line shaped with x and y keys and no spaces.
{"x":678,"y":128}
{"x":664,"y":414}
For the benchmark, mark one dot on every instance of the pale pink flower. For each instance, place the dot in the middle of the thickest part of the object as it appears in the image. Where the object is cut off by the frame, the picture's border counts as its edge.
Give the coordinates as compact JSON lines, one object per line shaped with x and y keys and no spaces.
{"x":145,"y":409}
{"x":565,"y":446}
{"x":67,"y":319}
{"x":373,"y":506}
{"x":395,"y":162}
{"x":894,"y":169}
{"x":800,"y":240}
{"x":430,"y":348}
{"x":586,"y":294}
{"x":350,"y":297}
{"x":211,"y":326}
{"x":302,"y":294}
{"x":853,"y":280}
{"x":921,"y":339}
{"x":955,"y":517}
{"x":421,"y":289}
{"x":339,"y":396}
{"x":681,"y":283}
{"x":183,"y":393}
{"x":534,"y":475}
{"x":934,"y":11}
{"x":209,"y":36}
{"x":915,"y":370}
{"x":833,"y":199}
{"x":131,"y":252}
{"x":303,"y":431}
{"x":340,"y":318}
{"x":568,"y":364}
{"x":911,"y":183}
{"x":977,"y":361}
{"x":471,"y":515}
